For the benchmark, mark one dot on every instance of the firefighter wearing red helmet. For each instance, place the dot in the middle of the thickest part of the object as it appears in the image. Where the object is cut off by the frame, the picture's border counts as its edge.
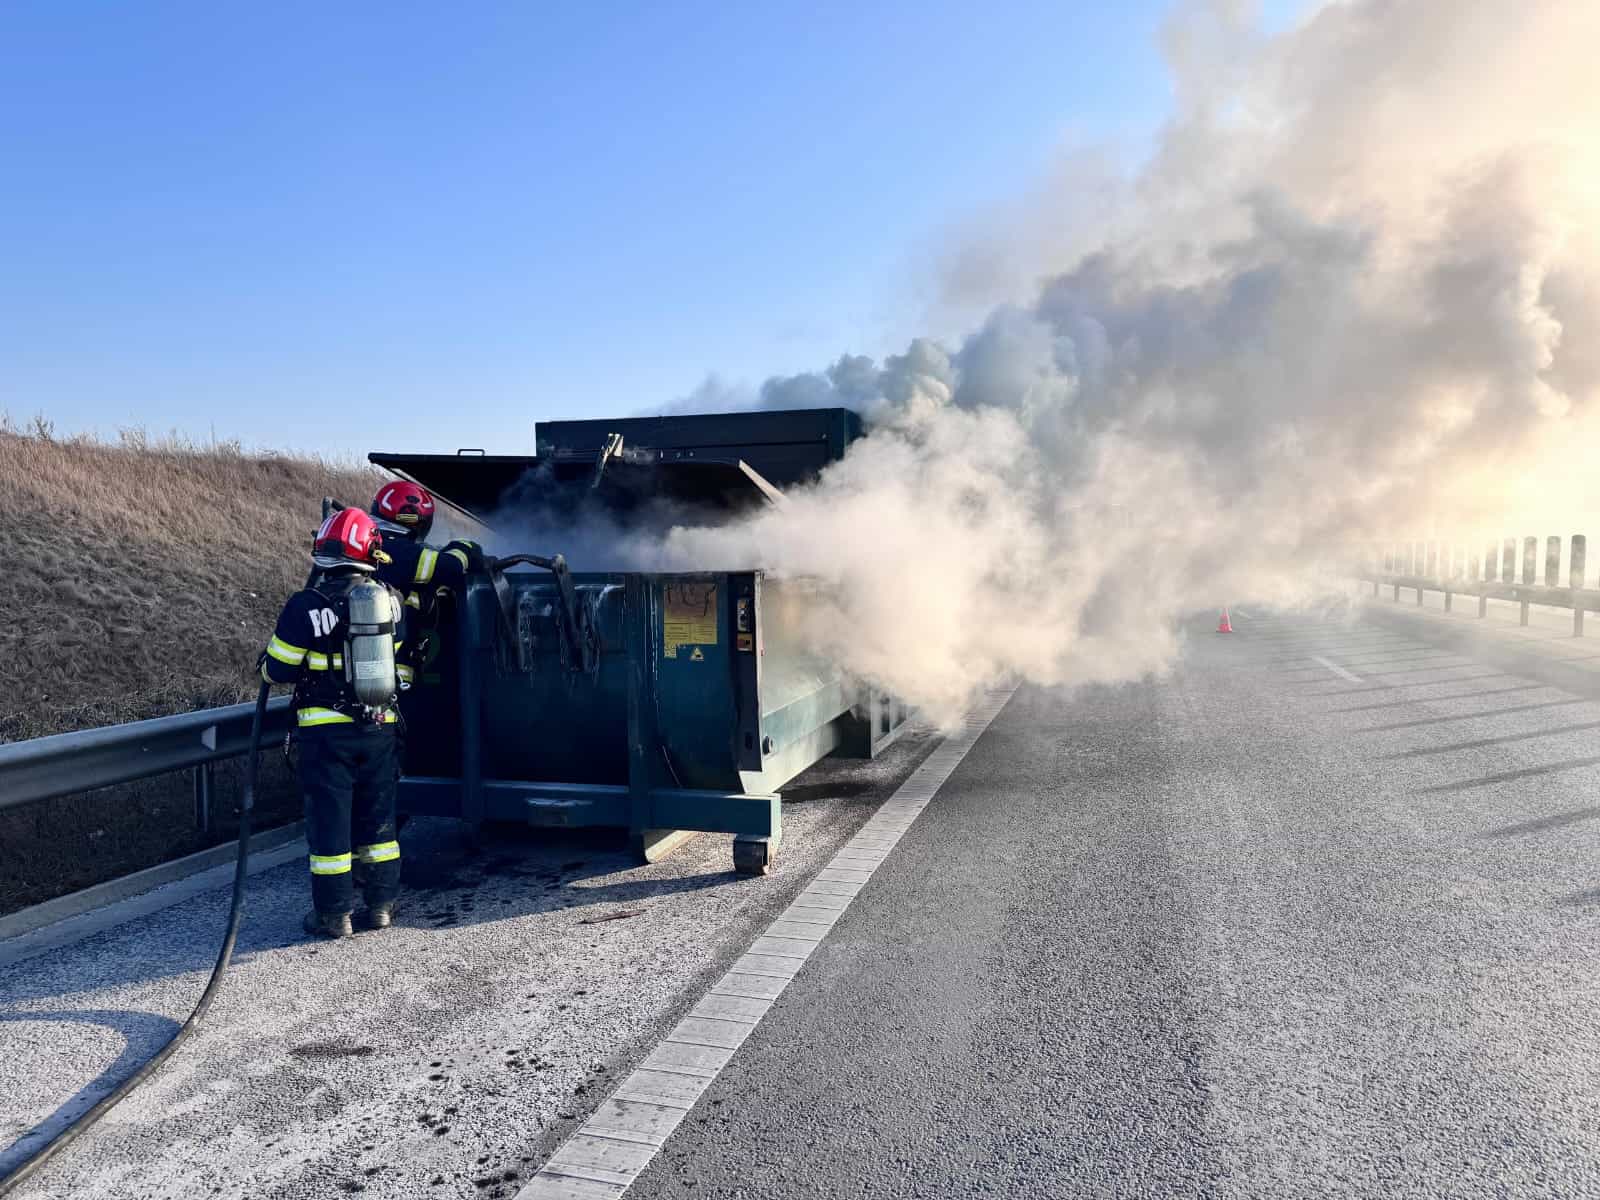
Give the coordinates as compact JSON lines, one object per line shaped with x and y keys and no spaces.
{"x":337,"y":641}
{"x":404,"y":513}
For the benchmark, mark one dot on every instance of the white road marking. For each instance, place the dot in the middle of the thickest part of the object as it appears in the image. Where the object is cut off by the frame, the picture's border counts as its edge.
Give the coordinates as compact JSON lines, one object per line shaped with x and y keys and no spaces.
{"x":1336,"y":669}
{"x":1239,"y":612}
{"x":616,"y":1144}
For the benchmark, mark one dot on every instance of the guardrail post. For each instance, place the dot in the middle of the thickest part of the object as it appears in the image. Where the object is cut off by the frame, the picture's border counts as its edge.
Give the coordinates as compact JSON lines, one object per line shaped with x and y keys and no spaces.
{"x":1431,"y":570}
{"x":1552,"y":562}
{"x":205,"y":781}
{"x":1530,"y":566}
{"x":1575,"y":573}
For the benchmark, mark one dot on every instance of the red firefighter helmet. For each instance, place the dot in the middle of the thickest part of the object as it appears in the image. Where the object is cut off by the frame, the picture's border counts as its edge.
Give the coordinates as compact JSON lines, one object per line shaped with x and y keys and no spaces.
{"x":348,"y":537}
{"x":406,"y":505}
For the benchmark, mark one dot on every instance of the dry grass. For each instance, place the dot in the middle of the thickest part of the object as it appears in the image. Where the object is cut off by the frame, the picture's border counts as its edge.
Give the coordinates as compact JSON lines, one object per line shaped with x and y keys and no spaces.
{"x":143,"y":578}
{"x":136,"y":580}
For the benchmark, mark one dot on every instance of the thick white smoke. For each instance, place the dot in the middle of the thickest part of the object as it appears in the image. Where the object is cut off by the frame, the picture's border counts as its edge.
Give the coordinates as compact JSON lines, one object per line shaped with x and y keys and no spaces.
{"x":1355,"y":293}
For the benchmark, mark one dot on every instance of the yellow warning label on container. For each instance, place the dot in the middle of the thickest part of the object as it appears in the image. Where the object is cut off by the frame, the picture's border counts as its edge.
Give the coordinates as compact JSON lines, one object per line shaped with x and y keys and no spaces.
{"x":688,"y":617}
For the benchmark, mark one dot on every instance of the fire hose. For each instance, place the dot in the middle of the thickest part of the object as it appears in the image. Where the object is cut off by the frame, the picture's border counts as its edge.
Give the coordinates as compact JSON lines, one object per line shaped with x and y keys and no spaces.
{"x":106,"y":1103}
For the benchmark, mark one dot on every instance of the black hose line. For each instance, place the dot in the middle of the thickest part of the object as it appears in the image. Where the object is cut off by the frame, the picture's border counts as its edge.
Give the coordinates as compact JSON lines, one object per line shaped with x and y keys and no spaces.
{"x":104,"y":1105}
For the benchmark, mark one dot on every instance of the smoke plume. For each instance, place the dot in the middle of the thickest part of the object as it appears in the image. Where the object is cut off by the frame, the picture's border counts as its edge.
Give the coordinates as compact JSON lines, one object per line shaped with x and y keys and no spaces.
{"x":1353,"y":294}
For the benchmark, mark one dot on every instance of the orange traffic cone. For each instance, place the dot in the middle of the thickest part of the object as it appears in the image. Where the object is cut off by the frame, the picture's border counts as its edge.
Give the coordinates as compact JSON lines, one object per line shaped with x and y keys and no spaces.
{"x":1223,"y":625}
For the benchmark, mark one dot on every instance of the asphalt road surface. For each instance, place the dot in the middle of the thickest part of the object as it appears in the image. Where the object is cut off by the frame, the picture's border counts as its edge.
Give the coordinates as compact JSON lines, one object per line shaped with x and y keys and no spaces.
{"x":1317,"y":914}
{"x":443,"y":1058}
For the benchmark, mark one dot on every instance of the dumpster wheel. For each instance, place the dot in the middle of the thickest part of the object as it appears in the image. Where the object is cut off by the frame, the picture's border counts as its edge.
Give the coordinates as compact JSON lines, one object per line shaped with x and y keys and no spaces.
{"x":754,"y":855}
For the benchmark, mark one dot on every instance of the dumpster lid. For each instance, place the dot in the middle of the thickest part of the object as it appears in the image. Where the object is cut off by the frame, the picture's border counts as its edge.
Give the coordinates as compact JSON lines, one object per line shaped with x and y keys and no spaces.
{"x":787,"y":446}
{"x":679,"y":482}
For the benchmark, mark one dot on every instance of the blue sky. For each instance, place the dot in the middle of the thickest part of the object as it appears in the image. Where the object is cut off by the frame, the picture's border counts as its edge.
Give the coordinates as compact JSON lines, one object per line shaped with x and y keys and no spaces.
{"x":359,"y":226}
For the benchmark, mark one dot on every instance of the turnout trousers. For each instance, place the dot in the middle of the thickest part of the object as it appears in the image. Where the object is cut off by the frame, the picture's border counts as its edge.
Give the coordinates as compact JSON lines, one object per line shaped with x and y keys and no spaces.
{"x":347,"y":773}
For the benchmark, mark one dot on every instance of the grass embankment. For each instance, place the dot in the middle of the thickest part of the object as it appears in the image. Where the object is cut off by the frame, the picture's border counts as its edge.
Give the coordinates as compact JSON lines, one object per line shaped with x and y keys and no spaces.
{"x":136,"y":580}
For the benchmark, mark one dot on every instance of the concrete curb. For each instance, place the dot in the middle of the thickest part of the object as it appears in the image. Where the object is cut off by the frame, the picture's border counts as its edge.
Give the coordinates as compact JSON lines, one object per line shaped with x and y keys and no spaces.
{"x":68,"y":919}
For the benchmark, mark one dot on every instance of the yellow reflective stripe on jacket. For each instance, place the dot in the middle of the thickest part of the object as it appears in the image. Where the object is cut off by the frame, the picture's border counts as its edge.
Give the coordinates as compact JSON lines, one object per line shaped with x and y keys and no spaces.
{"x":404,"y":672}
{"x":378,"y":852}
{"x":460,"y":556}
{"x":289,"y":656}
{"x":310,"y":717}
{"x":322,"y":716}
{"x":426,"y":562}
{"x":413,"y":600}
{"x":319,"y":662}
{"x":331,"y":864}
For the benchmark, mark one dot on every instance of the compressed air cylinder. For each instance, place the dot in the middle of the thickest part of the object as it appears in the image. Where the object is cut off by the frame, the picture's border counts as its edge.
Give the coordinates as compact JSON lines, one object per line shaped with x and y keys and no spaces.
{"x":369,"y":643}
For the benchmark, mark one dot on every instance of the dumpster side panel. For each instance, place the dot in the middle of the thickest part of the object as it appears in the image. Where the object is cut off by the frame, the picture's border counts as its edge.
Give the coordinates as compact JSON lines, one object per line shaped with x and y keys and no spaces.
{"x":703,"y":689}
{"x":543,"y":720}
{"x":697,"y":710}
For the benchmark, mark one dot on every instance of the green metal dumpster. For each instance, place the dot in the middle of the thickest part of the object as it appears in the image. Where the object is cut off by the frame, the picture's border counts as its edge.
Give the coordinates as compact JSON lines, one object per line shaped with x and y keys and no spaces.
{"x":662,"y":703}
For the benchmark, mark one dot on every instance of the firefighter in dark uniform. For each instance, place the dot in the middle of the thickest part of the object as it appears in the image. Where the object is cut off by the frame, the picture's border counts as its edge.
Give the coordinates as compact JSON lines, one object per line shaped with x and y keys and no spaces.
{"x":404,"y":513}
{"x":337,"y":641}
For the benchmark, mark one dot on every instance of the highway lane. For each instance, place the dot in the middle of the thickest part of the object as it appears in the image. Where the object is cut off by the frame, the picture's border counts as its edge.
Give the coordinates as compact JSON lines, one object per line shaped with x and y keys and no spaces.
{"x":1260,"y":928}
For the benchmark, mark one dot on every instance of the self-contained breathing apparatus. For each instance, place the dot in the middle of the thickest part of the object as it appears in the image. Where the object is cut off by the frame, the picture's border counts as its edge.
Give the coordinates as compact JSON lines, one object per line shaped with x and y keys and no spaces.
{"x":352,"y":662}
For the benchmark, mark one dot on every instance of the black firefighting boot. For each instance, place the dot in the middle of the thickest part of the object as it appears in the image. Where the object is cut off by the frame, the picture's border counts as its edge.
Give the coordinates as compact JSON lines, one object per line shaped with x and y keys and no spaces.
{"x":328,"y":925}
{"x":378,"y":916}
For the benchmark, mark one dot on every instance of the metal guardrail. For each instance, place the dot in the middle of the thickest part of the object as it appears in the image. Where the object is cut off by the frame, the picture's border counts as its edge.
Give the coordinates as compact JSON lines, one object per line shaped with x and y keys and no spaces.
{"x":1455,"y":569}
{"x":66,"y":763}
